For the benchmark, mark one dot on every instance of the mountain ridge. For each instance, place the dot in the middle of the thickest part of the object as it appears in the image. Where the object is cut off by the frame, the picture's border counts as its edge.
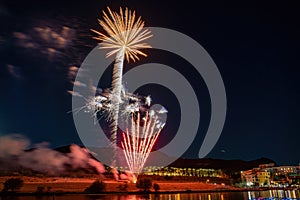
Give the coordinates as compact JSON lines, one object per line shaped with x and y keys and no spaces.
{"x":209,"y":163}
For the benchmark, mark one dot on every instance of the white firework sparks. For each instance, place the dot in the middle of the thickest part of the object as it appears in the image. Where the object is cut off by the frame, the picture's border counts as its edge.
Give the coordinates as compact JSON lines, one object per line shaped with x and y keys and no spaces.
{"x":129,"y":104}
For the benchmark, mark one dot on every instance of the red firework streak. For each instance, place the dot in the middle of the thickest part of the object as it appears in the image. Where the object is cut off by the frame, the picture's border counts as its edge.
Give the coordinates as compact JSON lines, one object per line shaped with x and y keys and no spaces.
{"x":138,"y":143}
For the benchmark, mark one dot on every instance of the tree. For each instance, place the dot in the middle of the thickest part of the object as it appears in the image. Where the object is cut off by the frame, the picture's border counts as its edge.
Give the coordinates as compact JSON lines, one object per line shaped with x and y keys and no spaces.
{"x":40,"y":189}
{"x":123,"y":187}
{"x":156,"y":187}
{"x":12,"y":184}
{"x":144,"y":183}
{"x":95,"y":188}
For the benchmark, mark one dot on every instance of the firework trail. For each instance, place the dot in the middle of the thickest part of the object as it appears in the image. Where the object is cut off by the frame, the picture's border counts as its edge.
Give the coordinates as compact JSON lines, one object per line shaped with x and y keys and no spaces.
{"x":124,"y":38}
{"x":138,"y":145}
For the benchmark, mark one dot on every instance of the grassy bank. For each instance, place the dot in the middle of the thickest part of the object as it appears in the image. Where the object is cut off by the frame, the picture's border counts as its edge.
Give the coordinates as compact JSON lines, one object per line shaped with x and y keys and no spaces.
{"x":78,"y":185}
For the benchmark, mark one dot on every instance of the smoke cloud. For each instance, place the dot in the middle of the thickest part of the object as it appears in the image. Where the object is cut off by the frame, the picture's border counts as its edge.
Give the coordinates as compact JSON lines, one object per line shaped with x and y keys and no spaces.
{"x":12,"y":145}
{"x":43,"y":159}
{"x":128,"y":176}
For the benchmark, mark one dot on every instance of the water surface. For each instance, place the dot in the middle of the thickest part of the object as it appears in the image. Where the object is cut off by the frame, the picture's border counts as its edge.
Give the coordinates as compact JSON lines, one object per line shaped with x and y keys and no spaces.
{"x":251,"y":195}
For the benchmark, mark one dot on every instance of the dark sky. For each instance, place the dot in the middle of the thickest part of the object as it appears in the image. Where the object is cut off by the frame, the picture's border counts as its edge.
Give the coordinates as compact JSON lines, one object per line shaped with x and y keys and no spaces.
{"x":255,"y":46}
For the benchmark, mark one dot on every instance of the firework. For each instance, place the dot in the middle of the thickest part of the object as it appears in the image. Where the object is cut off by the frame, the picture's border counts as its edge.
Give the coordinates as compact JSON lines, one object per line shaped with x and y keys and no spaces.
{"x":143,"y":124}
{"x":125,"y":34}
{"x":124,"y":38}
{"x":138,"y":143}
{"x":129,"y":105}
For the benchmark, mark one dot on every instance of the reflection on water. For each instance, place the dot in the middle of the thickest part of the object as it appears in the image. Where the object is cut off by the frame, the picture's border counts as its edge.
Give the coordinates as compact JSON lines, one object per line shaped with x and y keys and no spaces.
{"x":275,"y":194}
{"x":200,"y":196}
{"x":253,"y":195}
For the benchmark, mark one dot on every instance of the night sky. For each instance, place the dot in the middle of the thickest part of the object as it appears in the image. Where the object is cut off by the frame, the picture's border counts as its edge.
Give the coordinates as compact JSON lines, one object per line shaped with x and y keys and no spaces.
{"x":255,"y":46}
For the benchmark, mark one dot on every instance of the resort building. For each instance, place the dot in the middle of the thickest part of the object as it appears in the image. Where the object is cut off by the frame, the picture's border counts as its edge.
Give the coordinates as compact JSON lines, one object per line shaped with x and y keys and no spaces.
{"x":256,"y":177}
{"x":269,"y":175}
{"x":263,"y":178}
{"x":176,"y":171}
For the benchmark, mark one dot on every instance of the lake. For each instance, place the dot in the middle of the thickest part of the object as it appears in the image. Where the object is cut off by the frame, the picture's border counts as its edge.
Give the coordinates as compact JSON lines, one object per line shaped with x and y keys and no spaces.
{"x":270,"y":194}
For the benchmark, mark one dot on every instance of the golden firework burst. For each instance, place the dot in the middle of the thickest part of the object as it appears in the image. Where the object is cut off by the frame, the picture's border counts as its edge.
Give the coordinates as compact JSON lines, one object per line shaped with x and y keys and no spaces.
{"x":124,"y":32}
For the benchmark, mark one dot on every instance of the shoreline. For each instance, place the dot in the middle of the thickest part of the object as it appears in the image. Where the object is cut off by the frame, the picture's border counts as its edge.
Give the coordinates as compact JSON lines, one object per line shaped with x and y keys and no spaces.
{"x":76,"y":186}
